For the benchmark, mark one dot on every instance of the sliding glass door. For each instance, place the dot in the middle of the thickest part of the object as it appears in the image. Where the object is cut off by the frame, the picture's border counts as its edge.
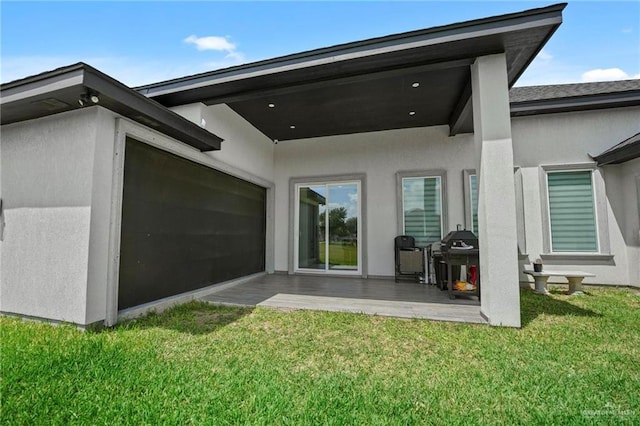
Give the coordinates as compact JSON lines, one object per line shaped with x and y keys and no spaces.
{"x":328,"y":227}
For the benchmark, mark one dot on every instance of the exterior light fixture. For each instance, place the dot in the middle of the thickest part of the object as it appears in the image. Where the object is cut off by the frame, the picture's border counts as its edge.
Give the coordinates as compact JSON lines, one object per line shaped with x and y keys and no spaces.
{"x":292,"y":127}
{"x":412,"y":113}
{"x":415,"y":84}
{"x":271,"y":105}
{"x":88,"y":98}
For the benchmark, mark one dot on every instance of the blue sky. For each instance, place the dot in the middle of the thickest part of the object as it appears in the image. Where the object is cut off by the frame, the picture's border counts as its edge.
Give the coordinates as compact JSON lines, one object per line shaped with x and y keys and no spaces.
{"x":146,"y":41}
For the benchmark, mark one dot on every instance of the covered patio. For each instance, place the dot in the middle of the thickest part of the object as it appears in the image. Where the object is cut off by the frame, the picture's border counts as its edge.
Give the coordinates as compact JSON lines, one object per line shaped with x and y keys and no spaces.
{"x":354,"y":129}
{"x":337,"y":294}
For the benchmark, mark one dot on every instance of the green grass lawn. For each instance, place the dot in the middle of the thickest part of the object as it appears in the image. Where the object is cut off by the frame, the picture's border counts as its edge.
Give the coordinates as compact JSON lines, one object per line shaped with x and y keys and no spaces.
{"x":340,"y":254}
{"x":575,"y":361}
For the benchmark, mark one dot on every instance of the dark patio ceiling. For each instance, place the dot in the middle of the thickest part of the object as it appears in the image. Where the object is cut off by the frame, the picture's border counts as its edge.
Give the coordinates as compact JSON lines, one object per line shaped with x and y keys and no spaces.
{"x":369,"y":85}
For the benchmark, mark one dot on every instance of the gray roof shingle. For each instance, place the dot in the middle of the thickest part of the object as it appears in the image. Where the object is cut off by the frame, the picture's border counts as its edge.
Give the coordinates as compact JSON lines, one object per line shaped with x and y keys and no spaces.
{"x":559,"y":91}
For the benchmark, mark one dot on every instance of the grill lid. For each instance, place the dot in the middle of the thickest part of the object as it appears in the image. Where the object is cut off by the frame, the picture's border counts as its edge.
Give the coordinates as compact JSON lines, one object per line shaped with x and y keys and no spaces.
{"x":463,"y":236}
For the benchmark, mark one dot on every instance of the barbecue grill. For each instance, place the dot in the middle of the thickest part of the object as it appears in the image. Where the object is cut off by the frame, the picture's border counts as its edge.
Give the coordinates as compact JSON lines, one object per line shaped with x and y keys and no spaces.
{"x":460,"y":249}
{"x":452,"y":238}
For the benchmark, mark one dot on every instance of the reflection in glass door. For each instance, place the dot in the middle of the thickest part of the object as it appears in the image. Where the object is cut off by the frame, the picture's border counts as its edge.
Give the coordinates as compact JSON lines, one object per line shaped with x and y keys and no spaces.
{"x":328,"y":230}
{"x":311,"y":213}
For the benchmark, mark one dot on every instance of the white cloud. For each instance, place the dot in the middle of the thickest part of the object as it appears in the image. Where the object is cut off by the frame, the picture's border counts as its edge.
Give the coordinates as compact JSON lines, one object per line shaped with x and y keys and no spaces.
{"x":211,"y":43}
{"x":607,"y":74}
{"x":220,"y":44}
{"x":545,"y":70}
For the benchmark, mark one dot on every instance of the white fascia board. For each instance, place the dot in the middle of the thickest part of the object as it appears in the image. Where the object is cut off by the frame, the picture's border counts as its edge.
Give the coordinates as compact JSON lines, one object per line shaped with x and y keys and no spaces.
{"x":40,"y":87}
{"x":356,"y":52}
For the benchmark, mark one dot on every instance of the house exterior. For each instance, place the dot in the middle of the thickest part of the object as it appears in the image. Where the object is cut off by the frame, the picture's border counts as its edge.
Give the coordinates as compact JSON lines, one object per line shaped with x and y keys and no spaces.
{"x":116,"y":199}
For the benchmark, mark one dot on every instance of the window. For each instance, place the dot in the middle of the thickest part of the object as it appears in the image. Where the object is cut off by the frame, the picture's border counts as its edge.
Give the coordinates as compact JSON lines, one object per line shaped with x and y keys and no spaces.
{"x":470,"y":187}
{"x":422,"y":210}
{"x":471,"y":204}
{"x":572,"y":211}
{"x":473,"y":185}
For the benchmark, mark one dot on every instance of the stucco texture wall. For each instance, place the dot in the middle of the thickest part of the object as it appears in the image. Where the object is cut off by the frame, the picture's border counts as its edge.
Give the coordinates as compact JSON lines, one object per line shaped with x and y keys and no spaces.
{"x":551,"y":139}
{"x":244,"y":147}
{"x":379,"y":156}
{"x":56,"y":191}
{"x":623,"y":193}
{"x":569,"y":138}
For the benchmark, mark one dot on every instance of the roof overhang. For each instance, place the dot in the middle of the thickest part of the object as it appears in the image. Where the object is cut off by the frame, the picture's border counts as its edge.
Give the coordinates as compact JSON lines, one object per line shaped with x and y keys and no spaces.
{"x":628,"y":149}
{"x":369,"y":85}
{"x":576,"y":103}
{"x":60,"y":90}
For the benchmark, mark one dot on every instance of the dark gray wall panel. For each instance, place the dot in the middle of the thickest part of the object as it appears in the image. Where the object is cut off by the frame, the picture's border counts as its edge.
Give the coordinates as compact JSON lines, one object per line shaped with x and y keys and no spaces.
{"x":184,"y":226}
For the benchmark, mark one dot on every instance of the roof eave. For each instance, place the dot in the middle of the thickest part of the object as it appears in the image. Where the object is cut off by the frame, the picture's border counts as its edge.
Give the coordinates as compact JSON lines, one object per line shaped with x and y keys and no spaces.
{"x":627,"y":150}
{"x":551,"y":15}
{"x":113,"y":95}
{"x":581,"y":103}
{"x":630,"y":152}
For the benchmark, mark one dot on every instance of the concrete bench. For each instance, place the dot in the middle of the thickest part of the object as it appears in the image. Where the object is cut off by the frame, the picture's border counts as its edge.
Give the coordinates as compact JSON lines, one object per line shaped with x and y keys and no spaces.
{"x":574,"y":277}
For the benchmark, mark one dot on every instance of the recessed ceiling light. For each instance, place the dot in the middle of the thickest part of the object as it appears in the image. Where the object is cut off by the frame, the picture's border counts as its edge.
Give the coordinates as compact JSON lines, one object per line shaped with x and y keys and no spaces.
{"x":415,"y":84}
{"x":412,"y":113}
{"x":292,"y":127}
{"x":272,"y":105}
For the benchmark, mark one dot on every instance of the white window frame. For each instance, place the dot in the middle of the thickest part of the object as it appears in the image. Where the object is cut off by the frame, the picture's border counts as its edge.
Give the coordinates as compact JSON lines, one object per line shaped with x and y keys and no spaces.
{"x":468,"y":205}
{"x":600,"y":208}
{"x":444,"y":214}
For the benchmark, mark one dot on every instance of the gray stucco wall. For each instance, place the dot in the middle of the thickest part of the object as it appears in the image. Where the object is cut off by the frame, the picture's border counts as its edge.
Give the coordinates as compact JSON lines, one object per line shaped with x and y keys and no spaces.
{"x":566,"y":139}
{"x":101,"y":199}
{"x":56,"y":177}
{"x":379,"y":156}
{"x":243,"y":147}
{"x":623,"y":192}
{"x":552,"y":139}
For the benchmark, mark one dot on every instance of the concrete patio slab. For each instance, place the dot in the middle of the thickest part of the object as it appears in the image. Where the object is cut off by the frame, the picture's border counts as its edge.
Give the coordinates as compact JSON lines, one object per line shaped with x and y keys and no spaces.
{"x":335,"y":294}
{"x":389,"y":308}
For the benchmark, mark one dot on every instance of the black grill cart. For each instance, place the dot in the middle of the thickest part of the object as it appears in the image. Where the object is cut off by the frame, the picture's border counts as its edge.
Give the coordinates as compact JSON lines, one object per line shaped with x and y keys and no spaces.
{"x":459,"y":250}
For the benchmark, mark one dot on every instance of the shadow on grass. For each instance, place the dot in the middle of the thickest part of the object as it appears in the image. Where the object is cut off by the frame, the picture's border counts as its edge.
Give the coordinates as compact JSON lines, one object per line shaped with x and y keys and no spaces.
{"x":532,"y":305}
{"x":195,"y":318}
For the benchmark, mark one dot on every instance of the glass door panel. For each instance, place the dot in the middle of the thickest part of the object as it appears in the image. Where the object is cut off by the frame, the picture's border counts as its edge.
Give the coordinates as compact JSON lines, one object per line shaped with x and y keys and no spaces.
{"x":311,"y":227}
{"x":328,"y":236}
{"x":343,"y":227}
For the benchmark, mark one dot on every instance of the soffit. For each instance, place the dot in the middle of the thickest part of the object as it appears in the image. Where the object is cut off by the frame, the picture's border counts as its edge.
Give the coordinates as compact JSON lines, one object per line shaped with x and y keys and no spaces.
{"x":367,"y":86}
{"x":59,"y":90}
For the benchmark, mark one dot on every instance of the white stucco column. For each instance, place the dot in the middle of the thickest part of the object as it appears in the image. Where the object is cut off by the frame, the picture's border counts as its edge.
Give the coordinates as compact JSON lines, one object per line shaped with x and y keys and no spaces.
{"x":497,"y":229}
